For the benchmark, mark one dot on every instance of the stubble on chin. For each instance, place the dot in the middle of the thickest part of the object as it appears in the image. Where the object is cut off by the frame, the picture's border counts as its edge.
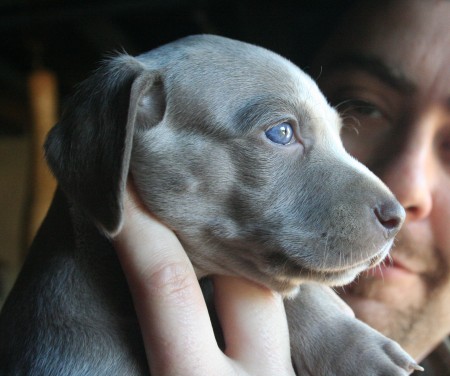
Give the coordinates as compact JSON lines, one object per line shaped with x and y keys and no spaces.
{"x":414,"y":315}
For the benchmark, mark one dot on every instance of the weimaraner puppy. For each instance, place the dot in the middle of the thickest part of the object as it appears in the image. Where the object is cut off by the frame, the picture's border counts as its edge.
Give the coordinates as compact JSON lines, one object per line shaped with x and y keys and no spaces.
{"x":237,"y":150}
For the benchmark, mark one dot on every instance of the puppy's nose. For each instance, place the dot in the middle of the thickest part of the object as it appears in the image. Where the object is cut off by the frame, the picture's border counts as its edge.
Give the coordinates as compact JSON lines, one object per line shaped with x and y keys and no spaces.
{"x":390,"y":215}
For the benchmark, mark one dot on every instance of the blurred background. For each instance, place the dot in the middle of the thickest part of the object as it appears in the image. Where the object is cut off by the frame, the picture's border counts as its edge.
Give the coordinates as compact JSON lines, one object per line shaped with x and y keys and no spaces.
{"x":48,"y":46}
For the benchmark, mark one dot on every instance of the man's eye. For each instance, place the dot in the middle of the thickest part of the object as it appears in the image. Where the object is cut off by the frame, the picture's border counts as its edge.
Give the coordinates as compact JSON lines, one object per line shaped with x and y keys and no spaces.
{"x":359,"y":114}
{"x":445,"y":151}
{"x":359,"y":107}
{"x":280,"y":134}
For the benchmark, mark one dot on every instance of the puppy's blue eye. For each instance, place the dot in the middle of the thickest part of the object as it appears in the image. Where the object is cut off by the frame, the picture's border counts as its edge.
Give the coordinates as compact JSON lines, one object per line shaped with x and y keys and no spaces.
{"x":280,"y":134}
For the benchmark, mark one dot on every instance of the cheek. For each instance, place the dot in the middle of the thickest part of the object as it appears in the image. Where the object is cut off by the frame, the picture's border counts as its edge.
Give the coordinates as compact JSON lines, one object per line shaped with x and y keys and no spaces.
{"x":363,"y":144}
{"x":356,"y":146}
{"x":441,"y":219}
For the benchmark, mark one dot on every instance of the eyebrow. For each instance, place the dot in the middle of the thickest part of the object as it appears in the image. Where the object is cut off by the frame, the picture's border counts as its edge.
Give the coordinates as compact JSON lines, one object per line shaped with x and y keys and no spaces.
{"x":373,"y":65}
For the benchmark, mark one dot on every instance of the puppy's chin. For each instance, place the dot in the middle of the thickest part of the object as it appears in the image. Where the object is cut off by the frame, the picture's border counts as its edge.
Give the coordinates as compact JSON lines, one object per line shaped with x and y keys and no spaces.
{"x":290,"y":275}
{"x":289,"y":287}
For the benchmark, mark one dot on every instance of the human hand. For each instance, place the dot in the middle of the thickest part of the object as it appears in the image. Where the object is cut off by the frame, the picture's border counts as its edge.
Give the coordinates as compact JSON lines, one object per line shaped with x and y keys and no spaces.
{"x":176,"y":328}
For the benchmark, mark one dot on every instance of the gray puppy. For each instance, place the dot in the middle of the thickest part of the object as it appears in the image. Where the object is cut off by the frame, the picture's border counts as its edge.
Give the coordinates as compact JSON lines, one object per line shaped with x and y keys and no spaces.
{"x":237,"y":150}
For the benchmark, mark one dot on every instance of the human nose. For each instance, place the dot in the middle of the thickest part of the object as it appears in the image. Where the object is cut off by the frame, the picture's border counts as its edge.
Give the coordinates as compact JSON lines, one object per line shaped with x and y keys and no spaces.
{"x":409,"y":176}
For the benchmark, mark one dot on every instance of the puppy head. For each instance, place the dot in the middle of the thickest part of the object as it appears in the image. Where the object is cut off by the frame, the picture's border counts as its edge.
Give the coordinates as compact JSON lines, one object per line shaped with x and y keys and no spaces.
{"x":236,"y":150}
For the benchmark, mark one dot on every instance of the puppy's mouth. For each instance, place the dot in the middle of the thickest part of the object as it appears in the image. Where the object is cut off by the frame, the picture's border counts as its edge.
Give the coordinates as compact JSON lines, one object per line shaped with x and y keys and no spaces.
{"x":292,"y":273}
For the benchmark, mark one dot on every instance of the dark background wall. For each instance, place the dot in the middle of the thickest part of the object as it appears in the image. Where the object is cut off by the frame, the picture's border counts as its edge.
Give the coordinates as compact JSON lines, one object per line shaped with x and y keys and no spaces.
{"x":69,"y":37}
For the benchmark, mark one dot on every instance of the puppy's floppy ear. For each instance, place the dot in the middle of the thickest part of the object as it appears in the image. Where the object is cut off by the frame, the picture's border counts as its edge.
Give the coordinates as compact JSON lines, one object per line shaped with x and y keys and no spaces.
{"x":89,"y":149}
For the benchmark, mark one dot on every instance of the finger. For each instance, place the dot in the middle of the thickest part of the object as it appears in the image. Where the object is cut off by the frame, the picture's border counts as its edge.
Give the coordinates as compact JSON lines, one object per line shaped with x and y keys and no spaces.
{"x":254,"y":326}
{"x":174,"y":320}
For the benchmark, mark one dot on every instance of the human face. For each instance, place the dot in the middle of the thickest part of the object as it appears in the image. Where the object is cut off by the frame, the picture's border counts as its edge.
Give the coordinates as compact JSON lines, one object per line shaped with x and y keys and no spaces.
{"x":387,"y":70}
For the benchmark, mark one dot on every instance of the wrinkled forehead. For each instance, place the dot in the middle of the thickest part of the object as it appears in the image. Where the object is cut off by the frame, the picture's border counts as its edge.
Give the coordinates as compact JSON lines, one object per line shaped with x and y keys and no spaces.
{"x":381,"y":21}
{"x":411,"y":36}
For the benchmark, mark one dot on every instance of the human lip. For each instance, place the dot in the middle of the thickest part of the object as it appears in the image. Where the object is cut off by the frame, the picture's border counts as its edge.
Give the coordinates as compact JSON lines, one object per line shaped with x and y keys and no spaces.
{"x":390,"y":268}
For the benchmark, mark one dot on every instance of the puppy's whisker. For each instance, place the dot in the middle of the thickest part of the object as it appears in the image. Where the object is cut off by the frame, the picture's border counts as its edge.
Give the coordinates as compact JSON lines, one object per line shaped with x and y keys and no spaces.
{"x":390,"y":259}
{"x":336,"y":106}
{"x":320,"y":73}
{"x":327,"y":250}
{"x":381,"y":271}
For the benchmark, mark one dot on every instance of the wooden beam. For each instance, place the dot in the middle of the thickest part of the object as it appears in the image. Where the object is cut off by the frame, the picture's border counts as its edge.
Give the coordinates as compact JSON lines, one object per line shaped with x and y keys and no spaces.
{"x":42,"y":86}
